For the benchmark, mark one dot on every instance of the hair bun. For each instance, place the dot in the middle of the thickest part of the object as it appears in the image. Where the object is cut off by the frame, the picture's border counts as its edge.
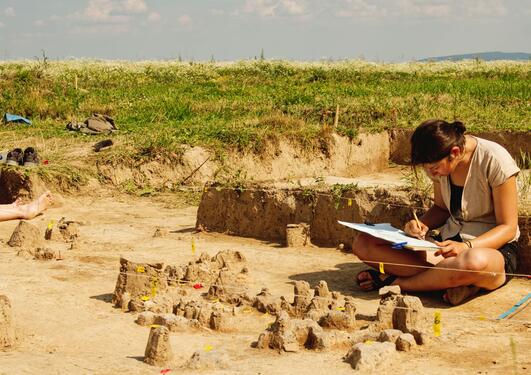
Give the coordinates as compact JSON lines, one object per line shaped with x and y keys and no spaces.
{"x":459,"y":127}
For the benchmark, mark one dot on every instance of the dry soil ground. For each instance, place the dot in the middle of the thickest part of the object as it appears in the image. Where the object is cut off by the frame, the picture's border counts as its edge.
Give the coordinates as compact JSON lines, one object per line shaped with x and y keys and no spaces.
{"x":67,"y":325}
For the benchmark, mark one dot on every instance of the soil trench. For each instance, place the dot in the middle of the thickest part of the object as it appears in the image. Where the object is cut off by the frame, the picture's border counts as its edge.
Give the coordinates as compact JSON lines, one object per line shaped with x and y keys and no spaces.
{"x":66,"y":323}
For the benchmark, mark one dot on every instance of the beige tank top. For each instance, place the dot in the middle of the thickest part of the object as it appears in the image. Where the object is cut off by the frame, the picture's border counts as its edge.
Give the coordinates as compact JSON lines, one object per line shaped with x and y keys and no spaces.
{"x":491,"y":165}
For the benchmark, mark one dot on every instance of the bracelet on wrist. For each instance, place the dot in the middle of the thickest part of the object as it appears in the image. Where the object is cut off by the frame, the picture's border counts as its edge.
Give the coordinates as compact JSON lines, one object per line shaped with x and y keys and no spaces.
{"x":468,"y":243}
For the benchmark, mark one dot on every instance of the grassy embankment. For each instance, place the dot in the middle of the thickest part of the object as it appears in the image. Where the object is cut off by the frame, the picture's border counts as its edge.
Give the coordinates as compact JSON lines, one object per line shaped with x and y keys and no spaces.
{"x":161,"y":105}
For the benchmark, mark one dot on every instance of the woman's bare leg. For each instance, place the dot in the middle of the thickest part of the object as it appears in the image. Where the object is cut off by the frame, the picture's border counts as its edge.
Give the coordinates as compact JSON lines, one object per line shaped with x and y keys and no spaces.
{"x":470,"y":262}
{"x":372,"y":250}
{"x":16,"y":210}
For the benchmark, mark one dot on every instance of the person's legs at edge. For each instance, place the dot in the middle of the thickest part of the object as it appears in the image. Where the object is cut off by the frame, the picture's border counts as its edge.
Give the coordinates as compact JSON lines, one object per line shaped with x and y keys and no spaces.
{"x":16,"y":210}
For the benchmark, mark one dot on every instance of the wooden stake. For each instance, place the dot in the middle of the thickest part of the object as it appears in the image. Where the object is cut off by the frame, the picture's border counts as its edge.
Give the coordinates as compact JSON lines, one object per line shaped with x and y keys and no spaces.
{"x":336,"y":117}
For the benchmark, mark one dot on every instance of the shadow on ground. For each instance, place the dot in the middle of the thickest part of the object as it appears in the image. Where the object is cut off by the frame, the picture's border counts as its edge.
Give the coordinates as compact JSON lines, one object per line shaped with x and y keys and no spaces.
{"x":107,"y":297}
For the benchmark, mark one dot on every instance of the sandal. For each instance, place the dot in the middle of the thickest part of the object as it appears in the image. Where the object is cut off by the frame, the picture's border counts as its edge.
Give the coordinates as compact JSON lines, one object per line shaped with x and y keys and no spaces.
{"x":374,"y":282}
{"x":456,"y":296}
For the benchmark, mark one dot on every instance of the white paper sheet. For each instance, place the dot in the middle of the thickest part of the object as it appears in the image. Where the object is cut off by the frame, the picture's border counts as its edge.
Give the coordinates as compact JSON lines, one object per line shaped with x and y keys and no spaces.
{"x":389,"y":233}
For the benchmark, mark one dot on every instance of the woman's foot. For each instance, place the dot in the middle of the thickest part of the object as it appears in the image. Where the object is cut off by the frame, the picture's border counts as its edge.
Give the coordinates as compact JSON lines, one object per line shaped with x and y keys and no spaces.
{"x":456,"y":296}
{"x":370,"y":279}
{"x":30,"y":210}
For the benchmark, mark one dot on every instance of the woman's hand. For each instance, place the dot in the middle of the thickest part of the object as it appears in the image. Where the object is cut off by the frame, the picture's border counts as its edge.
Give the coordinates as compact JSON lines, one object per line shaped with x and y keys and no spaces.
{"x":450,"y":248}
{"x":413,"y":229}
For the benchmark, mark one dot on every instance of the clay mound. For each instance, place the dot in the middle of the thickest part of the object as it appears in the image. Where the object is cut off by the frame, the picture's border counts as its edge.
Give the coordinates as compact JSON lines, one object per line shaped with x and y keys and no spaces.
{"x":329,"y":309}
{"x":291,"y":335}
{"x":158,"y":349}
{"x":25,"y":235}
{"x":41,"y":253}
{"x":207,"y":269}
{"x":63,"y":231}
{"x":208,"y":360}
{"x":138,"y":283}
{"x":7,"y":332}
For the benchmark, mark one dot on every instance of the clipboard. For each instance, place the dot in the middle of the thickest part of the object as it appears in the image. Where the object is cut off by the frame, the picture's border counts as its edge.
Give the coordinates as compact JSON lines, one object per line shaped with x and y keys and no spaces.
{"x":397,"y":237}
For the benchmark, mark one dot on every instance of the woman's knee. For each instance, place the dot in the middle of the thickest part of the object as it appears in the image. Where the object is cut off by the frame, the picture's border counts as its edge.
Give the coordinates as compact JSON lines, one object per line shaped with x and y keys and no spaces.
{"x":362,"y":245}
{"x":474,"y":260}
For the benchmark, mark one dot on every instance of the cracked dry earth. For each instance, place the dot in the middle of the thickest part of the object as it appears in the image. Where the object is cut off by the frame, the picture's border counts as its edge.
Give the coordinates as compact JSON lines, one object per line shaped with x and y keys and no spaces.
{"x":65,"y":321}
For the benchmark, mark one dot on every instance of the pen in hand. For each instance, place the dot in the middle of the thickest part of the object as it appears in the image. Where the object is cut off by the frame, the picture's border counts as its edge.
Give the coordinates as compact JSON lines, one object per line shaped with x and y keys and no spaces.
{"x":418,"y":224}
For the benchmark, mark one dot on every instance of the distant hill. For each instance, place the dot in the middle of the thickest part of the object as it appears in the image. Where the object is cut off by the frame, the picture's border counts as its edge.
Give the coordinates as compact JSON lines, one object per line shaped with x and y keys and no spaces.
{"x":485,"y":56}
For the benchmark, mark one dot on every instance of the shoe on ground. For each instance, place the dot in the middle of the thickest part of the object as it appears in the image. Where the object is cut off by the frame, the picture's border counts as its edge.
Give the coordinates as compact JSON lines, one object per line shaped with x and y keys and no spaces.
{"x":15,"y":157}
{"x":31,"y":157}
{"x":3,"y":157}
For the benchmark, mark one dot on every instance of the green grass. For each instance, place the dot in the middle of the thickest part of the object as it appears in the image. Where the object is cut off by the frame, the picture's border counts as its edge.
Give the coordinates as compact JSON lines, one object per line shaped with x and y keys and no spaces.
{"x":240,"y":105}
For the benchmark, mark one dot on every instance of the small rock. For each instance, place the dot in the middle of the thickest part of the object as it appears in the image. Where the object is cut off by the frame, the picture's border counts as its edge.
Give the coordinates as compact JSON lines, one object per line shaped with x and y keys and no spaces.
{"x":409,"y":314}
{"x":389,"y":290}
{"x":160,"y":232}
{"x":46,"y":254}
{"x":212,"y":359}
{"x":145,"y":318}
{"x":367,"y":357}
{"x":405,"y":342}
{"x":421,"y":338}
{"x":389,"y":335}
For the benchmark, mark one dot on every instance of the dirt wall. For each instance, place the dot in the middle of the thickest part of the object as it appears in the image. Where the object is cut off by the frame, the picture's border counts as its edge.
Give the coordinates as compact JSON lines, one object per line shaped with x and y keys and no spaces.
{"x":264,"y":214}
{"x":14,"y":183}
{"x":281,"y":160}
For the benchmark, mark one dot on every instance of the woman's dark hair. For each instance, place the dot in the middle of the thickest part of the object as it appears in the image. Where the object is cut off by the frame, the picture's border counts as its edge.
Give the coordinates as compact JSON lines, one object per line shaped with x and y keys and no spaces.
{"x":434,"y":139}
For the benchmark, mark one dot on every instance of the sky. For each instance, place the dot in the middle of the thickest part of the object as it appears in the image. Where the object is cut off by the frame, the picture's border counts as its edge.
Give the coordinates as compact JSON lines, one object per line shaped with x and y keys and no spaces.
{"x":228,"y":30}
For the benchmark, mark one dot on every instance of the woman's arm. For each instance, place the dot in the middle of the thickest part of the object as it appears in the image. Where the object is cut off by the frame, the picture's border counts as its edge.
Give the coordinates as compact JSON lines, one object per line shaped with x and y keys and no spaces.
{"x":505,"y":199}
{"x":435,"y":217}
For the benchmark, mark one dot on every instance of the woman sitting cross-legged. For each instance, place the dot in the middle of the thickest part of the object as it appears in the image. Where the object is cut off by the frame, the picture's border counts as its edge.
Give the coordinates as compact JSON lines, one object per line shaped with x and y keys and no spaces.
{"x":475,"y":206}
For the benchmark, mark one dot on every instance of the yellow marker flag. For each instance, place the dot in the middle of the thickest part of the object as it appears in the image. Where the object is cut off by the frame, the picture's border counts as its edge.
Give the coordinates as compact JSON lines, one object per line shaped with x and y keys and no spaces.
{"x":208,"y":348}
{"x":154,"y":284}
{"x":144,"y":298}
{"x":349,"y":202}
{"x":154,"y":326}
{"x":140,"y":269}
{"x":339,"y":308}
{"x":437,"y":323}
{"x":382,"y":268}
{"x":50,"y":224}
{"x":369,"y":342}
{"x":193,"y":246}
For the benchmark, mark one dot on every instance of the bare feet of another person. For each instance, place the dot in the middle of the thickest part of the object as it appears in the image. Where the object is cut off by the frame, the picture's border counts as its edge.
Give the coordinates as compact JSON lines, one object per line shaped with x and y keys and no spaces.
{"x":30,"y":210}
